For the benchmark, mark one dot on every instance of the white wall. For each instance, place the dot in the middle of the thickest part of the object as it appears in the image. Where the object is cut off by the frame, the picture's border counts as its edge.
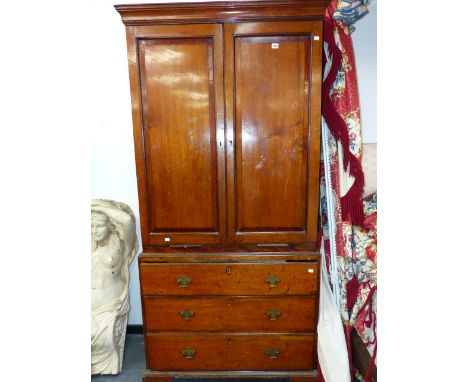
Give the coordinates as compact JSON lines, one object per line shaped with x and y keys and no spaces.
{"x":113,"y":167}
{"x":365,"y":51}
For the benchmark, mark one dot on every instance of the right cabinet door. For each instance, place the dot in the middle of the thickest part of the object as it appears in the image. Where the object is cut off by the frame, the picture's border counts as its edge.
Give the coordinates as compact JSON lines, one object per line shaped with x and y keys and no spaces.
{"x":273,"y":83}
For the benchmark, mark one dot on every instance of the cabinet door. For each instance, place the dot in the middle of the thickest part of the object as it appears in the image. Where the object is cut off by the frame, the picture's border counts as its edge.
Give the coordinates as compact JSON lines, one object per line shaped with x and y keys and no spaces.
{"x":273,"y":82}
{"x":176,"y":74}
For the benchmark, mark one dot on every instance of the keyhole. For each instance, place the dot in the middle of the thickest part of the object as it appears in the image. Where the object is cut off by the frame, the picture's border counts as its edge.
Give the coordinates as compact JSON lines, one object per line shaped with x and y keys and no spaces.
{"x":229,"y":341}
{"x":228,"y":270}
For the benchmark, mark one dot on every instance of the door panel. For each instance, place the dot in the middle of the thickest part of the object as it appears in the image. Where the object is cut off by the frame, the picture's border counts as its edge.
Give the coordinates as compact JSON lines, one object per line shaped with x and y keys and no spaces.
{"x":179,"y":133}
{"x":271,"y":132}
{"x":272,"y":164}
{"x":180,"y":77}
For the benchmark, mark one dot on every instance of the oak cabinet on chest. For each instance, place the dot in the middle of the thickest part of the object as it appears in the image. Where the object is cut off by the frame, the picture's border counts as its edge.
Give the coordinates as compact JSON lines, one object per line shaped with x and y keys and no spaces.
{"x":226,"y":115}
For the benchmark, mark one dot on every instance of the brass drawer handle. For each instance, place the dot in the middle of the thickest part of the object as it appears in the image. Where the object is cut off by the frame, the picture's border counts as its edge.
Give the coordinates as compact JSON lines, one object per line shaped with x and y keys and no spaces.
{"x":188,"y":353}
{"x":272,"y":280}
{"x":186,"y":314}
{"x":184,"y":281}
{"x":272,"y":353}
{"x":273,"y":314}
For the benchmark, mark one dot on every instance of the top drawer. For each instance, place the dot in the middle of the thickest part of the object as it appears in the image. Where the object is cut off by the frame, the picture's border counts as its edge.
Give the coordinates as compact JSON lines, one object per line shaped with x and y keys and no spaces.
{"x":229,"y":279}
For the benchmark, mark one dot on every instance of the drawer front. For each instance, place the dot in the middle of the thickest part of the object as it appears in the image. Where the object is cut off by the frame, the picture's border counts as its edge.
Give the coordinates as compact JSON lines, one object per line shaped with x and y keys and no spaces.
{"x":231,"y":313}
{"x":230,"y":351}
{"x":229,"y":279}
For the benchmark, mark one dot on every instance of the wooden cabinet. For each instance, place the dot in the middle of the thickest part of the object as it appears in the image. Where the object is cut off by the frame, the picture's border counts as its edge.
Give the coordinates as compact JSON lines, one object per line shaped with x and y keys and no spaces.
{"x":226,"y":121}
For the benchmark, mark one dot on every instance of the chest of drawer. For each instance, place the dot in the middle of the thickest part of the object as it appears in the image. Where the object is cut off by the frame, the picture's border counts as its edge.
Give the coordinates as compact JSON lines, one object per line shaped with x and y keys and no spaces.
{"x":229,"y":279}
{"x":230,"y":351}
{"x":231,"y":313}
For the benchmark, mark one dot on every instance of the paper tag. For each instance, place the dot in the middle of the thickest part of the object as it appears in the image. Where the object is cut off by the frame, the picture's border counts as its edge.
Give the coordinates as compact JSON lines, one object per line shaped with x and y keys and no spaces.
{"x":310,"y":270}
{"x":167,"y":239}
{"x":274,"y":45}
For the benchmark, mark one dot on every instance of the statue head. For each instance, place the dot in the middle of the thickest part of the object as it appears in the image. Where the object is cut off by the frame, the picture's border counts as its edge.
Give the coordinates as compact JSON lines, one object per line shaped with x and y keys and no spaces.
{"x":104,"y":232}
{"x":100,"y":227}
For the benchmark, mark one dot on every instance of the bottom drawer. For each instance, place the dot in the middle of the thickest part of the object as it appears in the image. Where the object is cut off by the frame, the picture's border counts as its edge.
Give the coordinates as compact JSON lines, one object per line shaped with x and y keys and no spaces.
{"x":230,"y":351}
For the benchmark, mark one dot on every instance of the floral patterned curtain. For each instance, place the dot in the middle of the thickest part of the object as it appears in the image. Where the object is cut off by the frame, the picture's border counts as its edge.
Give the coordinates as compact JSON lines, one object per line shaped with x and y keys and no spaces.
{"x":349,"y":224}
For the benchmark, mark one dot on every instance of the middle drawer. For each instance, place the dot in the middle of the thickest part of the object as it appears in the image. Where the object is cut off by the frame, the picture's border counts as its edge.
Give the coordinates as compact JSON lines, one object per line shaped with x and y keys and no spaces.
{"x":230,"y":313}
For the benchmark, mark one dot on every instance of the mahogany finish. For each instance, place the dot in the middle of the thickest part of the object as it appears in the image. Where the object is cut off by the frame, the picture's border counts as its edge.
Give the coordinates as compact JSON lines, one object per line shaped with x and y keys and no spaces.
{"x":292,"y":314}
{"x":231,"y":351}
{"x":290,"y":252}
{"x":176,"y":78}
{"x":180,"y":123}
{"x":223,"y":11}
{"x":277,"y":146}
{"x":272,"y":171}
{"x":226,"y":124}
{"x":229,"y":279}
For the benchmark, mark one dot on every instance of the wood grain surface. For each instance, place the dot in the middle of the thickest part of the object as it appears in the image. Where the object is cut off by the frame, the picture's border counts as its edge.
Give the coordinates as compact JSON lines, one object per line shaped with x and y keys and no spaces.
{"x":231,"y":351}
{"x":292,"y":314}
{"x":229,"y":279}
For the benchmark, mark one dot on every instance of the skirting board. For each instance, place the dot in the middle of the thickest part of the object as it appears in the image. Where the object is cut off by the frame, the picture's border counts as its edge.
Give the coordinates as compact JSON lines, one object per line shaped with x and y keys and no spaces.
{"x":134,"y":329}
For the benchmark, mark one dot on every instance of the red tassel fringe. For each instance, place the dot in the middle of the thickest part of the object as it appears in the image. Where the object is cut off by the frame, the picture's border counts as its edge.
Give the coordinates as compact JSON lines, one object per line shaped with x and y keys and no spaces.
{"x":352,"y":291}
{"x":351,"y":203}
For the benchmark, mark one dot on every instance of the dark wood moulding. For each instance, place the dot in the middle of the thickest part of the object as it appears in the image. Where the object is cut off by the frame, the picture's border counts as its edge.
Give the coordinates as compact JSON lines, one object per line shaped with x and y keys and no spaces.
{"x":223,"y":11}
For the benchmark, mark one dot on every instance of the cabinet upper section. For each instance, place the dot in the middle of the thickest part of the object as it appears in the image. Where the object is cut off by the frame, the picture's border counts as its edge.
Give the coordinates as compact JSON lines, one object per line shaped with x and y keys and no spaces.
{"x":226,"y":120}
{"x":223,"y":11}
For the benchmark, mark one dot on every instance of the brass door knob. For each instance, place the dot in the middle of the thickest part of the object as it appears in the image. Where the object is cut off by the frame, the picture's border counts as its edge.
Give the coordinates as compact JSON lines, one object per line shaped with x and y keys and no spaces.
{"x":273,"y":314}
{"x":186,"y":314}
{"x":272,"y":280}
{"x":272,"y":353}
{"x":188,"y":353}
{"x":184,"y":281}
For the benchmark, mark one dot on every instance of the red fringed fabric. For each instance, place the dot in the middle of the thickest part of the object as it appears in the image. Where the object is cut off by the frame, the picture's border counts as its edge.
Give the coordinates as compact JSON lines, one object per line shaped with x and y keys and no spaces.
{"x":334,"y":107}
{"x":341,"y":112}
{"x":352,"y":291}
{"x":367,"y":308}
{"x":319,"y":374}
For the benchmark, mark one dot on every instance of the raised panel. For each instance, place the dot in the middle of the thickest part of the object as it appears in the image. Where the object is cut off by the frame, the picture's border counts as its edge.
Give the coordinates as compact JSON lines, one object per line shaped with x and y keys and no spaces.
{"x":272,"y":119}
{"x":181,"y":166}
{"x":271,"y":132}
{"x":179,"y":133}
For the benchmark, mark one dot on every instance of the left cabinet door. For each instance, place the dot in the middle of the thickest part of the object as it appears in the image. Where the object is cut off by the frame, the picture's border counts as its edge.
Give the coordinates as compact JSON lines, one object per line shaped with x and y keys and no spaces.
{"x":176,"y":78}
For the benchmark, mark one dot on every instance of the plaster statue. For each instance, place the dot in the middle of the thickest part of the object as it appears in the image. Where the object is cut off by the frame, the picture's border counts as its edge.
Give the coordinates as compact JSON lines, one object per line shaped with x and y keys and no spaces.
{"x":113,"y":247}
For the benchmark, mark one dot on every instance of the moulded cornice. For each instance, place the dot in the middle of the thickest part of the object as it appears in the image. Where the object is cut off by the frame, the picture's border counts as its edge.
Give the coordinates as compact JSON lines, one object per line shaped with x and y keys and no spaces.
{"x":222,"y":11}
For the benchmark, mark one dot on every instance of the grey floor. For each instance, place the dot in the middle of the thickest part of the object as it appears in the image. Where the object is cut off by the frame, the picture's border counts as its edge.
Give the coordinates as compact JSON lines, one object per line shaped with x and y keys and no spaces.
{"x":133,"y":362}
